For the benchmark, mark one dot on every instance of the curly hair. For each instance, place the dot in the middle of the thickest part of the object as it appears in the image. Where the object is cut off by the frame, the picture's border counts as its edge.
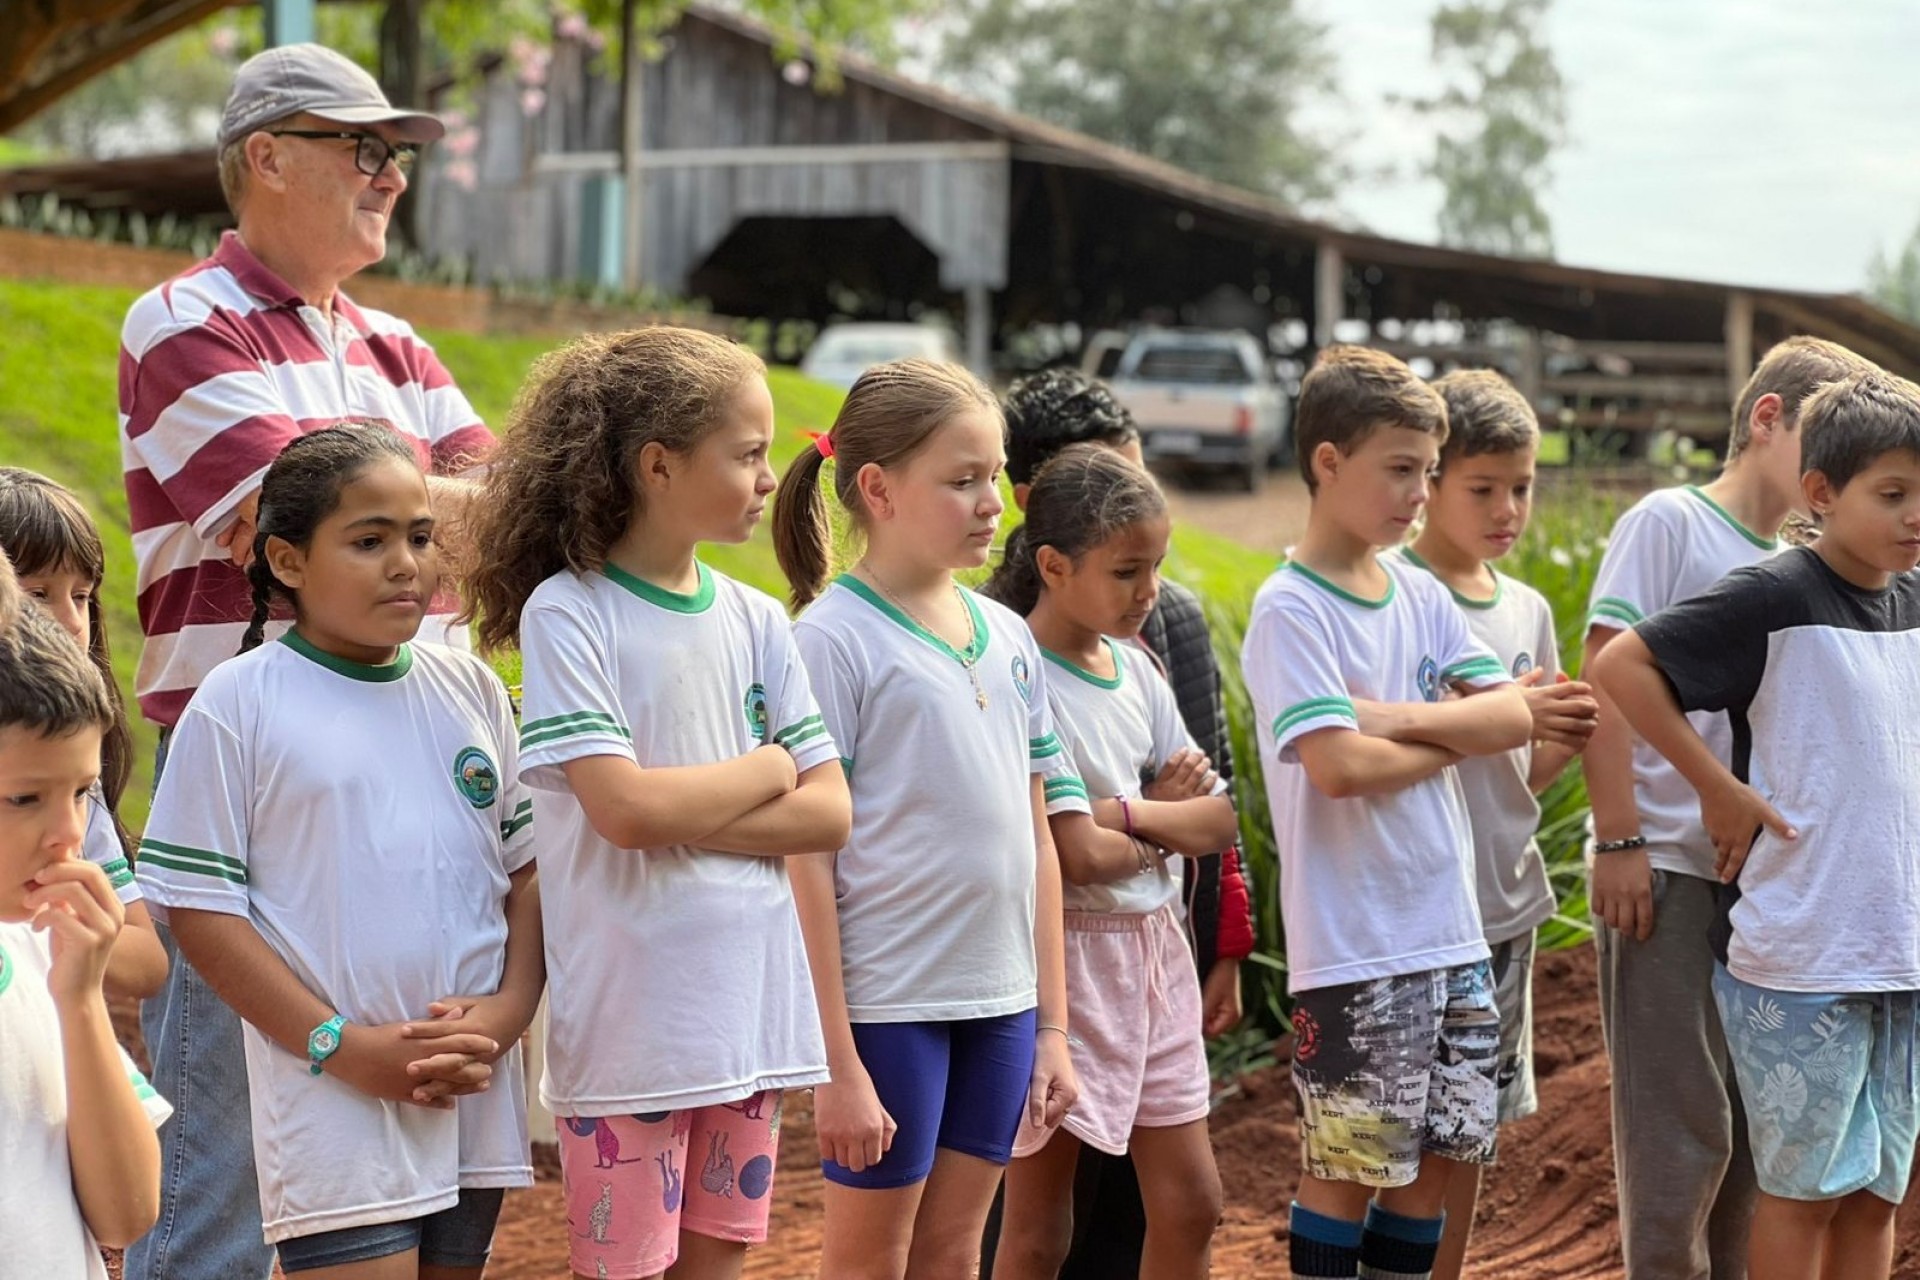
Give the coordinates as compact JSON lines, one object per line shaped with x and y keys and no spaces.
{"x":1054,"y":408}
{"x":562,"y":488}
{"x":1082,"y":497}
{"x":889,"y":415}
{"x":44,"y":528}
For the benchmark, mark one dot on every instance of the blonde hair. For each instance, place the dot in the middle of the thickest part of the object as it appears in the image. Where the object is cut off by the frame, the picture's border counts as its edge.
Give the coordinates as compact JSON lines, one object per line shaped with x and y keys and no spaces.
{"x":561,"y":489}
{"x":1792,"y":369}
{"x":888,"y":416}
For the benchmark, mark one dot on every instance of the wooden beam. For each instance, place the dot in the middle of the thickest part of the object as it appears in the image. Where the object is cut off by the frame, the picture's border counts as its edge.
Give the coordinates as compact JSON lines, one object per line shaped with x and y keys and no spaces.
{"x":762,"y":157}
{"x":1800,"y":318}
{"x":1739,"y":327}
{"x":26,"y":96}
{"x":1329,"y":291}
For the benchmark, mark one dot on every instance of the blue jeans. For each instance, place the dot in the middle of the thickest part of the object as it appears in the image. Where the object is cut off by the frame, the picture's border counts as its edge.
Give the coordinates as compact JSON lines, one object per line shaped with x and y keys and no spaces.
{"x":209,"y":1226}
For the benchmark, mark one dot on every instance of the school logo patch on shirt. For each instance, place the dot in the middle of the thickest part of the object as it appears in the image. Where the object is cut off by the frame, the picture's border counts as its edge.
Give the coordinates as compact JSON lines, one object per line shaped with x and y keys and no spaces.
{"x":1022,"y":679}
{"x":1522,"y":665}
{"x":478,"y":780}
{"x":756,"y":708}
{"x":1429,"y":679}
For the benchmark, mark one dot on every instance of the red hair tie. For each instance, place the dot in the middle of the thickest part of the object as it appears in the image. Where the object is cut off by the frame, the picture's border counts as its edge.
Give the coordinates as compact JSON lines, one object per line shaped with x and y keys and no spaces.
{"x":823,"y":441}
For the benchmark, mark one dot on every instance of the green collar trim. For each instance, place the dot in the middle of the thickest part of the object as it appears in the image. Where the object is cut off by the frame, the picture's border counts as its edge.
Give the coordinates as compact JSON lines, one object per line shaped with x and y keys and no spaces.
{"x":1342,"y":592}
{"x":1099,"y":682}
{"x":6,"y":971}
{"x":1765,"y":544}
{"x":401,"y":664}
{"x":1465,"y":602}
{"x":699,"y":600}
{"x":887,"y":607}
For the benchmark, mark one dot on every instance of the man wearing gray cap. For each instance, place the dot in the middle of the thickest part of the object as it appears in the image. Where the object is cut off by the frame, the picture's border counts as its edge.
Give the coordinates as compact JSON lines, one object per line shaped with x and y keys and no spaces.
{"x":219,"y":368}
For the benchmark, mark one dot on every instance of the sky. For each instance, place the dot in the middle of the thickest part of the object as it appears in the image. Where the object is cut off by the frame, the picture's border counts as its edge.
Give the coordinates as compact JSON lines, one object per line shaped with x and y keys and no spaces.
{"x":1767,"y":142}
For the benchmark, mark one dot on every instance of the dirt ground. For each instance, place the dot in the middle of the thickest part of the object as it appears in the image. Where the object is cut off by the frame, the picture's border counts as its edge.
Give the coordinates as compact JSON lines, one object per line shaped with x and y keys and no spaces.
{"x":1546,"y":1213}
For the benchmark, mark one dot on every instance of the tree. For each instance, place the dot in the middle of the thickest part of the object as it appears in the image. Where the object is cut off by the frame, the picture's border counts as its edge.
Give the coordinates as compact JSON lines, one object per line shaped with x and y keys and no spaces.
{"x":1214,"y":86}
{"x":1500,"y":118}
{"x":1894,"y":282}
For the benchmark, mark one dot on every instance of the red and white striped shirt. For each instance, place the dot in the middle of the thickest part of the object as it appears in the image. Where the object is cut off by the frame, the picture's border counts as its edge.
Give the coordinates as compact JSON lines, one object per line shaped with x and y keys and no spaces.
{"x":219,"y":368}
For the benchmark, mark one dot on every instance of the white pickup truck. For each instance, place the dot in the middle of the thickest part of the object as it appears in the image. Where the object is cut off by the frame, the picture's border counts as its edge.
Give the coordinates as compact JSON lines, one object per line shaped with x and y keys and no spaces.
{"x":1204,"y":397}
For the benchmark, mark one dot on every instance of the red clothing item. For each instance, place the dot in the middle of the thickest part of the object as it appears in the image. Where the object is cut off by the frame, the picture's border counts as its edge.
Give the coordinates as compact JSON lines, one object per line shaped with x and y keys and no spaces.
{"x":1235,"y":941}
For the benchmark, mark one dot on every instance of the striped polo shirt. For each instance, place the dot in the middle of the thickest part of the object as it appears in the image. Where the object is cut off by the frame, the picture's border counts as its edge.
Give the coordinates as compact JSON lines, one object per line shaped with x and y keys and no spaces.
{"x":219,"y":368}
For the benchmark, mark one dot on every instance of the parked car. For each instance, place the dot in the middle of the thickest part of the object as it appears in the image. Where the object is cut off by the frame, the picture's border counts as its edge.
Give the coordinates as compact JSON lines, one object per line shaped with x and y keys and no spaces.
{"x":1206,"y":398}
{"x":843,"y":352}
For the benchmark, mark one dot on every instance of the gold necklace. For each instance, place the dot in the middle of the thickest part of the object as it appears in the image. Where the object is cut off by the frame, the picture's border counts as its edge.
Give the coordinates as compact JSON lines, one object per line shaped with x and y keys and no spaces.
{"x":966,"y":658}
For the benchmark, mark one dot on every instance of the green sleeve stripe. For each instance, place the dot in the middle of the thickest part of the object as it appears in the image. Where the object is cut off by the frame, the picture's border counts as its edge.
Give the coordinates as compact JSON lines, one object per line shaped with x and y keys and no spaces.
{"x":187,"y":866}
{"x":544,"y":736}
{"x":571,"y":718}
{"x":1473,"y":668}
{"x":1041,"y":748}
{"x":804,"y":732}
{"x":1313,"y":709}
{"x":119,"y":874}
{"x":846,"y":765}
{"x":1058,"y":787}
{"x":515,"y":825}
{"x":149,"y":845}
{"x":1612,"y":608}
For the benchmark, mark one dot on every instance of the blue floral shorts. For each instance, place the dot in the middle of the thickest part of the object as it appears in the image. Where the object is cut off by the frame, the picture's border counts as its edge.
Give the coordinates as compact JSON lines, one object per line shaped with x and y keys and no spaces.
{"x":1831,"y":1087}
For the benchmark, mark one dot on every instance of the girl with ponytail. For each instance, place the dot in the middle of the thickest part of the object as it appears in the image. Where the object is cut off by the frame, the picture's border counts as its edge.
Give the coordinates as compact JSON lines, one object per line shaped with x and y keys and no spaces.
{"x":1085,"y":570}
{"x":345,"y":855}
{"x":941,"y":987}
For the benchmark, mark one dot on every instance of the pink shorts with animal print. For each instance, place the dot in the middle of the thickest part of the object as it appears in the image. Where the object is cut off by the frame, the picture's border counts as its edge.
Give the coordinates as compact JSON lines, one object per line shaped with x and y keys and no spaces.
{"x":635,"y":1182}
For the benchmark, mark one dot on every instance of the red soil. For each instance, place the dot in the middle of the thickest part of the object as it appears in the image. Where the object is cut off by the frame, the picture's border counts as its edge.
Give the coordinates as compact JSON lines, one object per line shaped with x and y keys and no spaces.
{"x":1546,"y":1213}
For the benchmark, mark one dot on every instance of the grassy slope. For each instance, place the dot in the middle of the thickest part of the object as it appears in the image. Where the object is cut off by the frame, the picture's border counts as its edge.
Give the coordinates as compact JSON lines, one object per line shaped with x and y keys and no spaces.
{"x":57,"y":415}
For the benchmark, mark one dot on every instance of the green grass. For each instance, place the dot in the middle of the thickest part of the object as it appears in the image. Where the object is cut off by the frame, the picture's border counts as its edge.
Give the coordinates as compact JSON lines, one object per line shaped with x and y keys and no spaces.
{"x":57,"y":415}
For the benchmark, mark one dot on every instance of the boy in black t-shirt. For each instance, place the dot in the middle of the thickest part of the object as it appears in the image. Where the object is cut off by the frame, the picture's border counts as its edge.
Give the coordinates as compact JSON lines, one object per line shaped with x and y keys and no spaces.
{"x":1812,"y":655}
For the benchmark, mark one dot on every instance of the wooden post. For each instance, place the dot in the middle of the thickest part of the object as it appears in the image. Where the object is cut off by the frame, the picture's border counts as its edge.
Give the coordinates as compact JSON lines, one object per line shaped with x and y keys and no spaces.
{"x":979,"y":329}
{"x":632,"y":105}
{"x":1739,"y":331}
{"x":288,"y":21}
{"x":1329,"y":292}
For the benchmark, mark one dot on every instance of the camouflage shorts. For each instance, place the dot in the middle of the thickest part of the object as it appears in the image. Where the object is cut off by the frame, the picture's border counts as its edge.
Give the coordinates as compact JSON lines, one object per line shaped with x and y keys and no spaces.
{"x":1393,"y":1068}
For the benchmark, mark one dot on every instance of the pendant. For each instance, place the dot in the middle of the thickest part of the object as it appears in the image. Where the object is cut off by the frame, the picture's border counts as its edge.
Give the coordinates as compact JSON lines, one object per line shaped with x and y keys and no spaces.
{"x":980,"y":697}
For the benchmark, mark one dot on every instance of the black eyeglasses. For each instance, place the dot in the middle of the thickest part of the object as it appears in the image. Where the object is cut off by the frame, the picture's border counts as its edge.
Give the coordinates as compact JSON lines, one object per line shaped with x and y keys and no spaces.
{"x":370,"y":153}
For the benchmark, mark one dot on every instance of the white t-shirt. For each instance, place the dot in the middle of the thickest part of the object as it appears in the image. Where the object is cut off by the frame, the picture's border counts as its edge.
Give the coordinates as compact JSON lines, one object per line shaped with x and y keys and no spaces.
{"x":1510,"y":876}
{"x":365,"y":819}
{"x":675,"y":977}
{"x":1671,"y":546}
{"x":101,"y":846}
{"x":1115,"y":730}
{"x":42,"y":1235}
{"x":1370,"y":886}
{"x":936,"y":884}
{"x":1817,"y":678}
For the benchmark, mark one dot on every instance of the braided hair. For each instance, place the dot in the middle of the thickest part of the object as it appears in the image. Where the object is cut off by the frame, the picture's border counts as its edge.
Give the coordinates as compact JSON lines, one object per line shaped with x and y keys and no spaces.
{"x":301,"y":489}
{"x":1086,"y":494}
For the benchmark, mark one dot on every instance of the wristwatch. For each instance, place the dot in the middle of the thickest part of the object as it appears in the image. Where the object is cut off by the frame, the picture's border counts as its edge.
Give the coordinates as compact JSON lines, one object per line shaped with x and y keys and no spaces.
{"x":322,"y":1041}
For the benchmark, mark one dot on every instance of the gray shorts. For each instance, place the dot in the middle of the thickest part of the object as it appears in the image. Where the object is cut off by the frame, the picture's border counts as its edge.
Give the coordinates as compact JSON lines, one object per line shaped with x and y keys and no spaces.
{"x":1513,"y":994}
{"x":1391,"y":1069}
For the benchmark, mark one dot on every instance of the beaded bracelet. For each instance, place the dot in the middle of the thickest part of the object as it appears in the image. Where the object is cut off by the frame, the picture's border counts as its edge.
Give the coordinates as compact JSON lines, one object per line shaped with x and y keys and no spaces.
{"x":1620,"y":846}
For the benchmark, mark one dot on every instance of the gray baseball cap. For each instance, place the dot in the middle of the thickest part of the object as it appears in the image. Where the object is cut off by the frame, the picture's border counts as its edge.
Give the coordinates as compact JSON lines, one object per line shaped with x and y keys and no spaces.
{"x":290,"y":78}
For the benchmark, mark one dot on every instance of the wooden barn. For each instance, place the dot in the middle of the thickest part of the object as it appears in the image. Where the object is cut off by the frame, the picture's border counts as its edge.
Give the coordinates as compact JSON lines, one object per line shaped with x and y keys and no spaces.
{"x":758,"y":187}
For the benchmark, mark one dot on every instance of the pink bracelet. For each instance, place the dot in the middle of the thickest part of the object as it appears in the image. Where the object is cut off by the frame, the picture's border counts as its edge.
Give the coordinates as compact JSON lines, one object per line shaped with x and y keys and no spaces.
{"x":1126,"y":814}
